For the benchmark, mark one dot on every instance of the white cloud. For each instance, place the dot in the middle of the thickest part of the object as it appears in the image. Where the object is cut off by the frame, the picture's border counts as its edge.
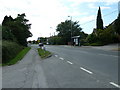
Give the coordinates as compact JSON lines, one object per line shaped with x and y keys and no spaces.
{"x":44,"y":14}
{"x":78,"y":2}
{"x":82,"y":1}
{"x":93,"y":6}
{"x":85,"y":19}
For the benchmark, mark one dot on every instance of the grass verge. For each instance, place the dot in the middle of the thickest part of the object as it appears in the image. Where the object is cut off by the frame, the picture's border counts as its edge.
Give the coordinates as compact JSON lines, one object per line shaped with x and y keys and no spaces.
{"x":43,"y":53}
{"x":116,"y":49}
{"x":19,"y":56}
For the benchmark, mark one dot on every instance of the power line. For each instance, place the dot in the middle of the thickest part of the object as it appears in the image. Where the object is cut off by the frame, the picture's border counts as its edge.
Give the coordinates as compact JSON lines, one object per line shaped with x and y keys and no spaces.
{"x":103,"y":16}
{"x":110,"y":13}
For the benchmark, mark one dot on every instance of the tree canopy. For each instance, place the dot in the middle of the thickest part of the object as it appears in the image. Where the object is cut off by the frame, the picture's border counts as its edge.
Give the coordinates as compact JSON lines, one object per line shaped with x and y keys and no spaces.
{"x":68,"y":29}
{"x":117,"y":25}
{"x":16,"y":29}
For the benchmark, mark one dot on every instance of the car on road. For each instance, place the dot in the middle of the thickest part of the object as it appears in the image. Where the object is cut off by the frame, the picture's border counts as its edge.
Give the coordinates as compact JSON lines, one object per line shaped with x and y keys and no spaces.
{"x":41,"y":44}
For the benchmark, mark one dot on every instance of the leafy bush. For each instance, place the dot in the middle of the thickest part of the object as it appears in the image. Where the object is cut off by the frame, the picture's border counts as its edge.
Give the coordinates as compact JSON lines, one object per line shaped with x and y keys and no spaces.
{"x":86,"y":44}
{"x":96,"y":44}
{"x":55,"y":40}
{"x":9,"y":50}
{"x":92,"y":38}
{"x":103,"y":37}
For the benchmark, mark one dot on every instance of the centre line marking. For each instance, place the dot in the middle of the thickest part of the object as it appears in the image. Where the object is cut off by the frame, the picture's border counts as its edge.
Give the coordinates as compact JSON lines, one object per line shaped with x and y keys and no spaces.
{"x":114,"y":84}
{"x":86,"y":70}
{"x":56,"y":55}
{"x":61,"y":58}
{"x":69,"y":62}
{"x":113,"y":55}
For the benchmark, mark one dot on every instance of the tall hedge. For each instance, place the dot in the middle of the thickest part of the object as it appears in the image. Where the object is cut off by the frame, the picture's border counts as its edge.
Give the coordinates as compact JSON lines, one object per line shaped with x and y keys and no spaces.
{"x":9,"y":50}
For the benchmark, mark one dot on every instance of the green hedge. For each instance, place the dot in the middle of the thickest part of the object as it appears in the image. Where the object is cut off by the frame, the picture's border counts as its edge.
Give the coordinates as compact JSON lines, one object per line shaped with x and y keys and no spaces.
{"x":18,"y":57}
{"x":10,"y":50}
{"x":97,"y":44}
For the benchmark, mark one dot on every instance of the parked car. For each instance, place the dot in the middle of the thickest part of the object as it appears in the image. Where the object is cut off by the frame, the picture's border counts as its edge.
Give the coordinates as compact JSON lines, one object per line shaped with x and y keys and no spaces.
{"x":41,"y":44}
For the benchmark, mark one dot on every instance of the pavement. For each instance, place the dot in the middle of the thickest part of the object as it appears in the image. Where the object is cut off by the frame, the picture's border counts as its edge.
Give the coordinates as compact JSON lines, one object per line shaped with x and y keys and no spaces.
{"x":113,"y":47}
{"x":68,"y":67}
{"x":110,"y":47}
{"x":25,"y":74}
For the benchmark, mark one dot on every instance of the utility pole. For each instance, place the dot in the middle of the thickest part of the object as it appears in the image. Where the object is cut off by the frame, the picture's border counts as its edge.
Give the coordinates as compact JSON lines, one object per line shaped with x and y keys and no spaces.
{"x":71,"y":27}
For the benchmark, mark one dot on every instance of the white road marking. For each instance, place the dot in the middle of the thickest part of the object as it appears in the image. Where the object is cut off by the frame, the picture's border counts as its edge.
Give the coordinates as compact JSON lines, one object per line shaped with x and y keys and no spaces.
{"x":69,"y":62}
{"x":114,"y":56}
{"x":86,"y":70}
{"x":61,"y":58}
{"x":114,"y":84}
{"x":56,"y":55}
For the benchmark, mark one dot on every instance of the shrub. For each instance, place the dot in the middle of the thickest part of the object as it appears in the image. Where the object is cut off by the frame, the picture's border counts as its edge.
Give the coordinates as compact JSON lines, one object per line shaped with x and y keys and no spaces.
{"x":86,"y":44}
{"x":92,"y":38}
{"x":9,"y":50}
{"x":96,"y":44}
{"x":55,"y":40}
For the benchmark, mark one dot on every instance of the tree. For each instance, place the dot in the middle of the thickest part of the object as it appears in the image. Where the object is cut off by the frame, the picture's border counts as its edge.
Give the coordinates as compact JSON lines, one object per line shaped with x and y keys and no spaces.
{"x":21,"y":29}
{"x":99,"y":20}
{"x":65,"y":32}
{"x":55,"y":40}
{"x":16,"y":29}
{"x":29,"y":41}
{"x":117,"y":25}
{"x":0,"y":32}
{"x":42,"y":40}
{"x":34,"y":42}
{"x":92,"y":38}
{"x":83,"y":37}
{"x":6,"y":29}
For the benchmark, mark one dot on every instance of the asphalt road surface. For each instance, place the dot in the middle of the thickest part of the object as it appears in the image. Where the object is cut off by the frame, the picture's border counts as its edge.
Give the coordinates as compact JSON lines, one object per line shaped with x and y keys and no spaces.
{"x":69,"y":67}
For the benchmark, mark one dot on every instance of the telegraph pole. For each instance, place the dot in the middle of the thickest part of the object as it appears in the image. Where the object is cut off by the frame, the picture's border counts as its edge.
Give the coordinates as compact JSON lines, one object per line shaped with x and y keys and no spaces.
{"x":71,"y":28}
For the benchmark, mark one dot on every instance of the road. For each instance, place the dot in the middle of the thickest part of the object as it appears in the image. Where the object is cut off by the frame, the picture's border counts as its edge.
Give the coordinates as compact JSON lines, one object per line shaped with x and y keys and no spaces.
{"x":69,"y":67}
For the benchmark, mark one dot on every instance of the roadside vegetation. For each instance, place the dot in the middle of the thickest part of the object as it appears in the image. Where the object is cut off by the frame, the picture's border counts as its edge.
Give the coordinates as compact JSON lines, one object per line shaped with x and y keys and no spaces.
{"x":14,"y":38}
{"x":9,"y":50}
{"x":16,"y":57}
{"x":100,"y":36}
{"x":43,"y":53}
{"x":104,"y":35}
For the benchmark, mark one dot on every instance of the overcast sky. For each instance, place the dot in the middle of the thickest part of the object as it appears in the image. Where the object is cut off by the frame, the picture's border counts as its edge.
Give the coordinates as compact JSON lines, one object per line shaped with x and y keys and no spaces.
{"x":45,"y":15}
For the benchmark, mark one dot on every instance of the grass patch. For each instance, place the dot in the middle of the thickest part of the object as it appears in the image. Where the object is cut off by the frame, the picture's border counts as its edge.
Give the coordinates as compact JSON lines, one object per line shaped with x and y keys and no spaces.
{"x":96,"y":44}
{"x":44,"y":53}
{"x":116,"y":49}
{"x":19,"y":56}
{"x":93,"y":44}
